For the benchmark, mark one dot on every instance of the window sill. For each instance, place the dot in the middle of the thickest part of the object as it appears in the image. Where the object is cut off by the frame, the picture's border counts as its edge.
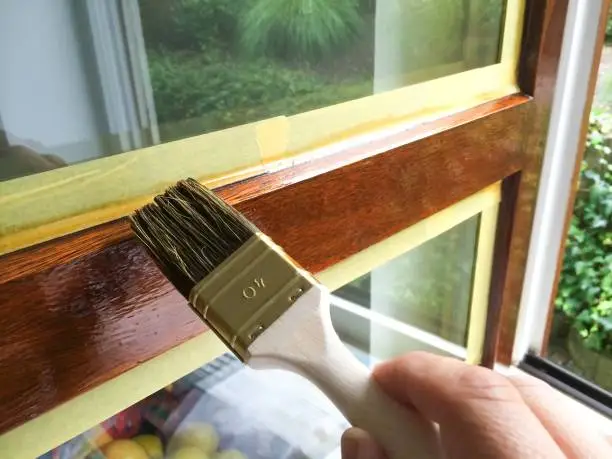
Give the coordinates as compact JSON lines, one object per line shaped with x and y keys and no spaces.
{"x":592,"y":417}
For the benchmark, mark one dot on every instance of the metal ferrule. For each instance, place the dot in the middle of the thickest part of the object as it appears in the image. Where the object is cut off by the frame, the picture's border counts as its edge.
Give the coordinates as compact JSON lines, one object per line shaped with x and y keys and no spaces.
{"x":246,"y":293}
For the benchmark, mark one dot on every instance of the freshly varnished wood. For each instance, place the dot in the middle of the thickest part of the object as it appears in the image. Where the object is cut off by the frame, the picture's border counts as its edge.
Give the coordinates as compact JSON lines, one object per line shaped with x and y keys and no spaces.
{"x":83,"y":309}
{"x":603,"y":20}
{"x":304,"y":169}
{"x":535,"y":24}
{"x":499,"y":269}
{"x":324,"y":220}
{"x":63,"y":250}
{"x":73,"y":326}
{"x":545,"y":20}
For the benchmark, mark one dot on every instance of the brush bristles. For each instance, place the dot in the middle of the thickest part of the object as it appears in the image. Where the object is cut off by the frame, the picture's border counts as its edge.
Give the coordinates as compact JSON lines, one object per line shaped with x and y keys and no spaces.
{"x":190,"y":231}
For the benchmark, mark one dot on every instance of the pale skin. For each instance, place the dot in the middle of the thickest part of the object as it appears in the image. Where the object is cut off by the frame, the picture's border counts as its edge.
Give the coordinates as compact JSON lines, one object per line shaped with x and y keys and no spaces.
{"x":482,"y":414}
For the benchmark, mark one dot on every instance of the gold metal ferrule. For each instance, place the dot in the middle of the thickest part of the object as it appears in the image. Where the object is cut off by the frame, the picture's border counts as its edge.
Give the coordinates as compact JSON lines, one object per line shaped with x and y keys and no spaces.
{"x":246,"y":293}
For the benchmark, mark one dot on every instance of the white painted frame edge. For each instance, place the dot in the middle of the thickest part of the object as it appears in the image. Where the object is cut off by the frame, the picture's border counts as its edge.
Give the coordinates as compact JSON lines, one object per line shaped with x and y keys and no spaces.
{"x":556,"y":182}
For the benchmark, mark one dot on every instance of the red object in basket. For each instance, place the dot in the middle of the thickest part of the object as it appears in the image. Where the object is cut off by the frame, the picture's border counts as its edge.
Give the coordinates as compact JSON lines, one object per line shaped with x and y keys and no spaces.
{"x":125,"y":424}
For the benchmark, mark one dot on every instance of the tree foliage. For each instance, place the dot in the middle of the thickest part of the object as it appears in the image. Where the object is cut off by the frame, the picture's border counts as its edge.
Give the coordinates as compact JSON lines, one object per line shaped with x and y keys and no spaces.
{"x":585,"y":288}
{"x":299,"y":28}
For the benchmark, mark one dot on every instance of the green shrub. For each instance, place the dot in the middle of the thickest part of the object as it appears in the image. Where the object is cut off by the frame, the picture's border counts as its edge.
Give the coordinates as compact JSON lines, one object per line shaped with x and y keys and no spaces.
{"x":585,"y":288}
{"x":187,"y":86}
{"x":223,"y":93}
{"x":299,"y":28}
{"x":194,"y":25}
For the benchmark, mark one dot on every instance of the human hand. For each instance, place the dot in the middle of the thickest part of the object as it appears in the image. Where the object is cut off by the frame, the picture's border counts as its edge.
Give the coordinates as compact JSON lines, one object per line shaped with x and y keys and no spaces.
{"x":480,"y":413}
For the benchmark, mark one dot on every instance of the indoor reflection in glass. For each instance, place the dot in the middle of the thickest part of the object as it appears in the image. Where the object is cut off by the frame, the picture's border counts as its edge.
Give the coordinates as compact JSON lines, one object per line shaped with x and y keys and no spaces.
{"x":115,"y":76}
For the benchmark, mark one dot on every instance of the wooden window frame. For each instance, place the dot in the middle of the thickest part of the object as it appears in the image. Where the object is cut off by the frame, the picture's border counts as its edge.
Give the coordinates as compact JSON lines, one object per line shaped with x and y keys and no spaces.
{"x":528,"y":304}
{"x":84,"y":308}
{"x":541,"y":50}
{"x":582,"y":136}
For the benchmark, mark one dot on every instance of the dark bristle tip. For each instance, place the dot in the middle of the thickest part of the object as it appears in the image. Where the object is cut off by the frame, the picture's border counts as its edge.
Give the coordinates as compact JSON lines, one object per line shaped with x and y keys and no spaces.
{"x":190,"y":231}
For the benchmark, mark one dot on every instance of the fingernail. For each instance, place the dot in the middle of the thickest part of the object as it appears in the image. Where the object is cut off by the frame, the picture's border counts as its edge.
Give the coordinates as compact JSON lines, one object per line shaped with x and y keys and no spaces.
{"x":349,"y":445}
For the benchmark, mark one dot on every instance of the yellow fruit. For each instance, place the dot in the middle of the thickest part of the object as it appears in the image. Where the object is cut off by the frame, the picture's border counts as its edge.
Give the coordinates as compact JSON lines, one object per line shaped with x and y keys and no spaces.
{"x":151,"y":444}
{"x":103,"y":438}
{"x":124,"y":449}
{"x":189,"y":452}
{"x":202,"y":436}
{"x":230,"y":454}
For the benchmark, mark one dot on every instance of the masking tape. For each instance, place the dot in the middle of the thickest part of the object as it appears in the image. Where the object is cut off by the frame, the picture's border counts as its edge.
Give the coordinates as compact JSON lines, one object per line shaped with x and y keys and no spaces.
{"x":272,"y":137}
{"x":479,"y":304}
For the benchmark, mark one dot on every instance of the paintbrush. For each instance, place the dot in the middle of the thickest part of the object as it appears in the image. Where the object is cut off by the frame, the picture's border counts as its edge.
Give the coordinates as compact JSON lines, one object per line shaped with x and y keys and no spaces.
{"x":269,"y":311}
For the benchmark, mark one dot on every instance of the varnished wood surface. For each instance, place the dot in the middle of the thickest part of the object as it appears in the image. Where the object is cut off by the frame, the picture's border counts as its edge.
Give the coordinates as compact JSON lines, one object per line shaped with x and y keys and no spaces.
{"x":80,"y":310}
{"x":605,"y":7}
{"x":63,"y":250}
{"x":541,"y":50}
{"x":499,"y":270}
{"x":73,"y":326}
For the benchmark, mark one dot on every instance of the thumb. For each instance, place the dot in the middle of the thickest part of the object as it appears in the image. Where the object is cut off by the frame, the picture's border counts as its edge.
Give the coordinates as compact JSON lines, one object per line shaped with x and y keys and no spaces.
{"x":358,"y":444}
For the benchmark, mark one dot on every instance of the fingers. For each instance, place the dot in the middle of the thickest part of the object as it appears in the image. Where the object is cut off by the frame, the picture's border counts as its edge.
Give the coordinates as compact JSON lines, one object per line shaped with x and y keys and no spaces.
{"x":568,"y":427}
{"x":358,"y":444}
{"x":480,"y":413}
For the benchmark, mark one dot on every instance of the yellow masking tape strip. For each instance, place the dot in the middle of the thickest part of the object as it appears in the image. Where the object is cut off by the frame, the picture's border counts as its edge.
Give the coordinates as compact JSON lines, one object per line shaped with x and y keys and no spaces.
{"x":43,"y":206}
{"x":402,"y":106}
{"x":481,"y":284}
{"x":513,"y":28}
{"x":273,"y":137}
{"x":60,"y":424}
{"x":365,"y":261}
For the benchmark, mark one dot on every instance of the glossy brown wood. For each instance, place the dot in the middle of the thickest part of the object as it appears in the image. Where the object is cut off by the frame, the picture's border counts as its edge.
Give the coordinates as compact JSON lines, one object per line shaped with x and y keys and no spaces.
{"x":605,"y":8}
{"x":70,"y":247}
{"x":73,"y":320}
{"x":304,"y":170}
{"x":541,"y":50}
{"x":75,"y":325}
{"x":324,"y":219}
{"x":503,"y":235}
{"x":61,"y":250}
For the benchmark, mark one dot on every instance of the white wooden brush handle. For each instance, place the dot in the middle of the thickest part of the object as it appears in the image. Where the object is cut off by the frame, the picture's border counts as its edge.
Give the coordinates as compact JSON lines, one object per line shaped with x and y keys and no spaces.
{"x":304,"y":341}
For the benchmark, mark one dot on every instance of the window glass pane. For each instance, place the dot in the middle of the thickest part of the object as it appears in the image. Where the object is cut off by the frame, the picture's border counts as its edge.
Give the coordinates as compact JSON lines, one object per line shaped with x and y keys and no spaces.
{"x":428,"y":288}
{"x":221,"y":410}
{"x":581,"y":331}
{"x":115,"y":76}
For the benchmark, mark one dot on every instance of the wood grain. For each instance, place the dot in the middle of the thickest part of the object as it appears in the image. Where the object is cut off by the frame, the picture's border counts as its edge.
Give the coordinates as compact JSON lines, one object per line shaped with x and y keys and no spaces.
{"x":85,"y":308}
{"x":541,"y":50}
{"x":605,"y":7}
{"x":63,"y":250}
{"x":73,"y":326}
